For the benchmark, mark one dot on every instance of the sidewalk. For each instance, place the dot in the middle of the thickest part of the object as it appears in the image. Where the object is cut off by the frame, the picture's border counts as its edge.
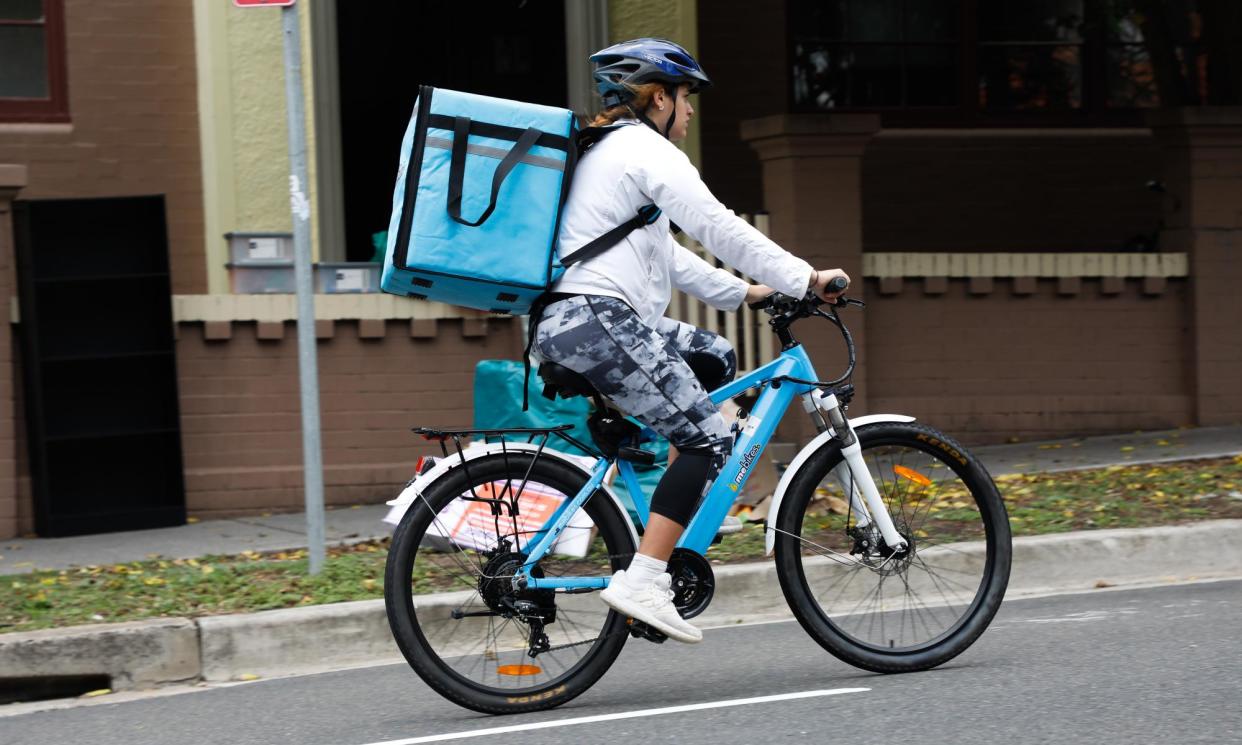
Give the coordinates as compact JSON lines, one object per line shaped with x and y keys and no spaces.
{"x":351,"y":525}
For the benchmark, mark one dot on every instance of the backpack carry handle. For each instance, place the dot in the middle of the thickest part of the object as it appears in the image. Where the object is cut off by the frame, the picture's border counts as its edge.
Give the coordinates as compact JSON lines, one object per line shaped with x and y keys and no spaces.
{"x":457,"y":168}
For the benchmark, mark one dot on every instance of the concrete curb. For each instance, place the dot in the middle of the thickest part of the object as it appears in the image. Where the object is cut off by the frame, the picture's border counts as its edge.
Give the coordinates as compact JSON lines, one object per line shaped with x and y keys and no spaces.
{"x":219,"y":648}
{"x":137,"y":654}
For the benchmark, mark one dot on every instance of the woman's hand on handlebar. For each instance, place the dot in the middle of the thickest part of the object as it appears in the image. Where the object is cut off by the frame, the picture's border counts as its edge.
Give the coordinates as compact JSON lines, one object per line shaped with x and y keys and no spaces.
{"x":826,"y":284}
{"x":829,"y":284}
{"x":755,"y":293}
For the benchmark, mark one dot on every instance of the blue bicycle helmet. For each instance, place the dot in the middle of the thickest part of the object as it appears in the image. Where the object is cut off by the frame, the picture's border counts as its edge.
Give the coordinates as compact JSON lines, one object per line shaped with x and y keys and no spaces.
{"x":644,"y":61}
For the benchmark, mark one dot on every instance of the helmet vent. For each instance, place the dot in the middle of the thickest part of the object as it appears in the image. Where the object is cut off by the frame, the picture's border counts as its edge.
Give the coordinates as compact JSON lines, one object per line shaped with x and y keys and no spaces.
{"x":680,"y":59}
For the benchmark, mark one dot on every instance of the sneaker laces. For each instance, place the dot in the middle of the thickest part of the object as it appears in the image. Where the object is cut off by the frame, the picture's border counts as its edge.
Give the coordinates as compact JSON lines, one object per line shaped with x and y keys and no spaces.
{"x":663,"y":587}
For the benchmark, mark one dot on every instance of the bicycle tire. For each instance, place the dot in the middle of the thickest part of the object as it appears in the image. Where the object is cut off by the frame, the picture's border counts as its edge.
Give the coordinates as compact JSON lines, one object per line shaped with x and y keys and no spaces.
{"x":419,"y":636}
{"x":840,"y":624}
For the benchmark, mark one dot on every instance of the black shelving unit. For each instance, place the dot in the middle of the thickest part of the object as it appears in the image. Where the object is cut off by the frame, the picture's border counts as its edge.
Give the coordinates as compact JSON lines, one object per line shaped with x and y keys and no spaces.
{"x":99,"y":366}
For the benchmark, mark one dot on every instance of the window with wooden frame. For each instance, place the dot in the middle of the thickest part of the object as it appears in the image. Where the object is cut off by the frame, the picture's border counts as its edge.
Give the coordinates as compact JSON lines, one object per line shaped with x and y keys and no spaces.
{"x":1015,"y":62}
{"x":32,"y":61}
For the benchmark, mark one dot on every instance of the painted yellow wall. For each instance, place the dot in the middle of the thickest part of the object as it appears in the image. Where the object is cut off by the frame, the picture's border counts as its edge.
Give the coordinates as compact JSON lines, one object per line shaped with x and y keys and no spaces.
{"x":675,"y":20}
{"x":242,"y":112}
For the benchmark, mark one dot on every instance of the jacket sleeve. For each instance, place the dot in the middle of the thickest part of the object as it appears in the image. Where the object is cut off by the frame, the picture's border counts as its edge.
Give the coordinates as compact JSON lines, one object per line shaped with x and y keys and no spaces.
{"x":716,"y":287}
{"x":666,"y":175}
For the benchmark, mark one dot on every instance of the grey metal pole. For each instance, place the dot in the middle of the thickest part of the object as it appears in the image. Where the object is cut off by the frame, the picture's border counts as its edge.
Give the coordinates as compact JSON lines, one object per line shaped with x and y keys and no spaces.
{"x":308,"y":371}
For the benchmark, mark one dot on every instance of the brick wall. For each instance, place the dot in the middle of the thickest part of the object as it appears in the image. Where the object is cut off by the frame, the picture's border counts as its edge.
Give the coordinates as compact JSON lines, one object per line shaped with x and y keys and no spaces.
{"x":997,"y":190}
{"x":134,"y":128}
{"x":1069,"y":358}
{"x":241,"y":426}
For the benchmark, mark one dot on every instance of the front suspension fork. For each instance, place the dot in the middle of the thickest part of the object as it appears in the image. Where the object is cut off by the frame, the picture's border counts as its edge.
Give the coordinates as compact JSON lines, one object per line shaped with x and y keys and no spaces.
{"x":853,"y":474}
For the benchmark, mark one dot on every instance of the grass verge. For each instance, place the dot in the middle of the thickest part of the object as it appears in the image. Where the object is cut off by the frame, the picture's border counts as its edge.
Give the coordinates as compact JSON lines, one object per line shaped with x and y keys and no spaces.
{"x":1114,"y":497}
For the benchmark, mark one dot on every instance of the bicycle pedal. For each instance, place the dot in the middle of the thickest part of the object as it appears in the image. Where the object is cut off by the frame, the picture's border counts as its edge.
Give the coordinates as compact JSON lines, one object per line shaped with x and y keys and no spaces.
{"x":640,"y":630}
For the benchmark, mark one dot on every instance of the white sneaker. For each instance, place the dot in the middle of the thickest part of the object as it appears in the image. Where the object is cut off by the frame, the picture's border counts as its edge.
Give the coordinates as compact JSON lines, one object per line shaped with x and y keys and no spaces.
{"x":653,"y":605}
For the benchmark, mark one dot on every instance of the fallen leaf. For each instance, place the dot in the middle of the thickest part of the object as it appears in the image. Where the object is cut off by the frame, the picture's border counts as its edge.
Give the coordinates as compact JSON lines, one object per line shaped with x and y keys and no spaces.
{"x":838,"y":506}
{"x":1104,"y":583}
{"x":97,"y":692}
{"x":1127,"y":448}
{"x":191,"y":520}
{"x":247,"y":676}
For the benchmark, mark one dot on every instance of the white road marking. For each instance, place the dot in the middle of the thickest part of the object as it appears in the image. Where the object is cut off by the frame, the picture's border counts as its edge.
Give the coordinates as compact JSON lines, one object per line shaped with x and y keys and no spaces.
{"x":620,"y":715}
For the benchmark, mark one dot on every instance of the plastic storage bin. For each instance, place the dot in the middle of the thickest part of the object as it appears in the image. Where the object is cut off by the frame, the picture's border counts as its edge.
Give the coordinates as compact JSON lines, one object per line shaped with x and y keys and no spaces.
{"x":261,"y":277}
{"x":353,"y":276}
{"x":249,"y":248}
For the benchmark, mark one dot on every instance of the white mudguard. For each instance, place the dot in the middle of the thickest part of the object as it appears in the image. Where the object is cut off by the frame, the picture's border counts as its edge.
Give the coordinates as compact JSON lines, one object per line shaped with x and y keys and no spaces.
{"x":769,"y":539}
{"x":415,"y":488}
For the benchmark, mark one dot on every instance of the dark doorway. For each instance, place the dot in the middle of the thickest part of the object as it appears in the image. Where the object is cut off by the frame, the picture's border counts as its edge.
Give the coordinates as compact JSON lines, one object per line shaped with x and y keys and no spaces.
{"x":99,"y":372}
{"x":507,"y":48}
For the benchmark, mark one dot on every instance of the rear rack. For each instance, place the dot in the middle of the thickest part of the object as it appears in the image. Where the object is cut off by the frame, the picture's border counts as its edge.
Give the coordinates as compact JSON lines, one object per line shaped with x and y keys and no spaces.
{"x":508,"y":498}
{"x":442,"y":435}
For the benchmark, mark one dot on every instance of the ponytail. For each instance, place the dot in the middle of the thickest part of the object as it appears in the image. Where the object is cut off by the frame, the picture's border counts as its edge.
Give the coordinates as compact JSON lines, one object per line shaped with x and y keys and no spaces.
{"x":636,"y":106}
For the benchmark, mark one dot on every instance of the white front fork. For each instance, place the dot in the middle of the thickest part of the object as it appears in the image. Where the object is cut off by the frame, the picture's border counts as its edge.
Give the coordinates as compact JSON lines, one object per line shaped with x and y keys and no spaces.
{"x":854,"y":476}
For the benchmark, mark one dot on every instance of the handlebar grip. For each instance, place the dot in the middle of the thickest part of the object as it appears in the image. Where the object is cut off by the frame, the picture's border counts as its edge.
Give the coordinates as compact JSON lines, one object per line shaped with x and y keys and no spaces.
{"x":838,"y":284}
{"x":762,"y":303}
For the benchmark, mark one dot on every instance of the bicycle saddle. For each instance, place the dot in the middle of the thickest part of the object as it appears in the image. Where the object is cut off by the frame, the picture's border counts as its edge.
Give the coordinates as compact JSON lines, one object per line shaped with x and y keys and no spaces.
{"x":562,"y":380}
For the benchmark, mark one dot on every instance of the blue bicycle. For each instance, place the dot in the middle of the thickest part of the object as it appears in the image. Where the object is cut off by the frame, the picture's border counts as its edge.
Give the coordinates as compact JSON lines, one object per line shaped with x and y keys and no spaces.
{"x":892,"y":543}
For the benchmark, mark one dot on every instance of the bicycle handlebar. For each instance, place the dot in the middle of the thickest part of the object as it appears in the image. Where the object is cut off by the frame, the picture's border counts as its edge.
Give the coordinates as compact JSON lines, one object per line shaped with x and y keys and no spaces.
{"x":785,"y":310}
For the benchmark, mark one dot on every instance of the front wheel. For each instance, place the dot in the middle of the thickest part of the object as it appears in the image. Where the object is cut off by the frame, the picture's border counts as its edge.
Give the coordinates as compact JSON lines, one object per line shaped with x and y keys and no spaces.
{"x":895,"y":611}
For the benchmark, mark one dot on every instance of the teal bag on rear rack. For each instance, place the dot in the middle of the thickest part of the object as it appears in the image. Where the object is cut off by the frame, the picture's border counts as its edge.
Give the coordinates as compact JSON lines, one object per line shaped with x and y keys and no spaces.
{"x":477,"y":205}
{"x":478,"y":201}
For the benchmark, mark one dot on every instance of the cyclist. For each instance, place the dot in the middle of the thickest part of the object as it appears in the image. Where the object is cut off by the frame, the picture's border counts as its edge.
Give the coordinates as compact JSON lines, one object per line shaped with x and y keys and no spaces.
{"x":606,"y":320}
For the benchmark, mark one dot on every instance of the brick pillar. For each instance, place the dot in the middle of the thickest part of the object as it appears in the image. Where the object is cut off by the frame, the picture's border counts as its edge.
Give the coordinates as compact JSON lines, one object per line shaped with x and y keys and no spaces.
{"x":1202,"y":150}
{"x":812,"y":189}
{"x":12,"y":179}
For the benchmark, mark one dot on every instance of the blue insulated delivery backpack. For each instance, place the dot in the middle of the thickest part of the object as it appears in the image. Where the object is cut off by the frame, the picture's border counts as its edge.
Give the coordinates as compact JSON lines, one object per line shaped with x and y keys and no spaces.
{"x":477,"y":205}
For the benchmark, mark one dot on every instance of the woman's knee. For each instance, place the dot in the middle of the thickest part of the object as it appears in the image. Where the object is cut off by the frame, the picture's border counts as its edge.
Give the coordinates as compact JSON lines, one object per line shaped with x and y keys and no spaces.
{"x":714,"y":366}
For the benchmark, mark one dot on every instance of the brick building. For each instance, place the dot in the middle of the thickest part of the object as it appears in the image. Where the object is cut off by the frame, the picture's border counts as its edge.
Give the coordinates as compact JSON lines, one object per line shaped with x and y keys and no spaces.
{"x":980,"y":175}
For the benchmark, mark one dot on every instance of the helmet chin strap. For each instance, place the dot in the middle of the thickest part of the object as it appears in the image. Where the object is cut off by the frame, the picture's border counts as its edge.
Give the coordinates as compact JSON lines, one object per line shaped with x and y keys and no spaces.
{"x":668,"y":126}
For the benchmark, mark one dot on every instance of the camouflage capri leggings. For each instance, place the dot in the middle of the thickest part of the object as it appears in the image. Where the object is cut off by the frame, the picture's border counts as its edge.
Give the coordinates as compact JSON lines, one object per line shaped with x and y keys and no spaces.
{"x":653,"y":375}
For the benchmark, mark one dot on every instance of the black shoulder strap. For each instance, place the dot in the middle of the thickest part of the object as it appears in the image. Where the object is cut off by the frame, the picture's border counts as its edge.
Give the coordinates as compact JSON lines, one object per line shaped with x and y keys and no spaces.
{"x":646,"y":215}
{"x":587,"y":139}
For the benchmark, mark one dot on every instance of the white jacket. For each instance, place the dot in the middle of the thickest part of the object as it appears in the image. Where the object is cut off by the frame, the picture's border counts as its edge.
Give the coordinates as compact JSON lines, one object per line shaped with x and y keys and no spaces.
{"x":634,"y":167}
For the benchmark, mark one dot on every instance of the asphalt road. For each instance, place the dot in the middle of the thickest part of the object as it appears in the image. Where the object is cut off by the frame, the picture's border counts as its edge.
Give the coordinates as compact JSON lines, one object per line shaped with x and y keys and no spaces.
{"x":1146,"y":665}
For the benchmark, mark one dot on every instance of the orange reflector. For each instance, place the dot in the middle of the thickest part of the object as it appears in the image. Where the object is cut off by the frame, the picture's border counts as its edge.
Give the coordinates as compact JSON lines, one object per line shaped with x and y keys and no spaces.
{"x":914,"y":476}
{"x":519,"y":670}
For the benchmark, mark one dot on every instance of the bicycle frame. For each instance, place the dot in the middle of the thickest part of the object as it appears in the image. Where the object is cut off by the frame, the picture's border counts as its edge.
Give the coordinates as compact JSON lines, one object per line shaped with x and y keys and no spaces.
{"x":774,"y":399}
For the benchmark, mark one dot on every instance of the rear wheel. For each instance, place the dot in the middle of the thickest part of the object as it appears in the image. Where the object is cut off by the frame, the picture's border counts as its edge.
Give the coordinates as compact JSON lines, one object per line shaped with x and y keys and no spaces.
{"x":451,"y":602}
{"x":884,"y":610}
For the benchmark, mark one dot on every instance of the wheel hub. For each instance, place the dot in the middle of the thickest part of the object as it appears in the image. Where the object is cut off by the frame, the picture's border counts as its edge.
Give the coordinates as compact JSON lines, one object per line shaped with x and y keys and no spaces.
{"x":496,"y":580}
{"x":496,"y":587}
{"x":872,"y":550}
